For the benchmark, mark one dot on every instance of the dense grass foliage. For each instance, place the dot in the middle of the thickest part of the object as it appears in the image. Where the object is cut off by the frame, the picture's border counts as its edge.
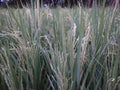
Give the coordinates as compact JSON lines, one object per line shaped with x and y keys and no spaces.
{"x":60,"y":49}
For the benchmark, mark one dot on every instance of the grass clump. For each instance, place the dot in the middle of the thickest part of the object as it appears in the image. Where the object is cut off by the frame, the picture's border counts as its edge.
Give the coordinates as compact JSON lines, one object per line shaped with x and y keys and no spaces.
{"x":60,"y":49}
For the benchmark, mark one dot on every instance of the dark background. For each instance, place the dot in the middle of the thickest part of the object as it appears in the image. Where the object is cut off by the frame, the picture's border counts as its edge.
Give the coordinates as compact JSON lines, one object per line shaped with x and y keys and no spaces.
{"x":54,"y":3}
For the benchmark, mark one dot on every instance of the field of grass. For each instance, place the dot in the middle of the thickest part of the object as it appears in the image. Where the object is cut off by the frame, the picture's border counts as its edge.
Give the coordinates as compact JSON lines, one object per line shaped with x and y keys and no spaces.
{"x":60,"y":49}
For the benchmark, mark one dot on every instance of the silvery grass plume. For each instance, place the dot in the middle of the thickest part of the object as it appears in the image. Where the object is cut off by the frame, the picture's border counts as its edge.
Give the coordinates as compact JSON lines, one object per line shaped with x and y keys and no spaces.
{"x":85,"y":40}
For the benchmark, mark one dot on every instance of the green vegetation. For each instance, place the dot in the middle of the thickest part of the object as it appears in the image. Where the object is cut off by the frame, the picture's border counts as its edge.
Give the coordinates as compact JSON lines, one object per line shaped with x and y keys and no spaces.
{"x":60,"y":49}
